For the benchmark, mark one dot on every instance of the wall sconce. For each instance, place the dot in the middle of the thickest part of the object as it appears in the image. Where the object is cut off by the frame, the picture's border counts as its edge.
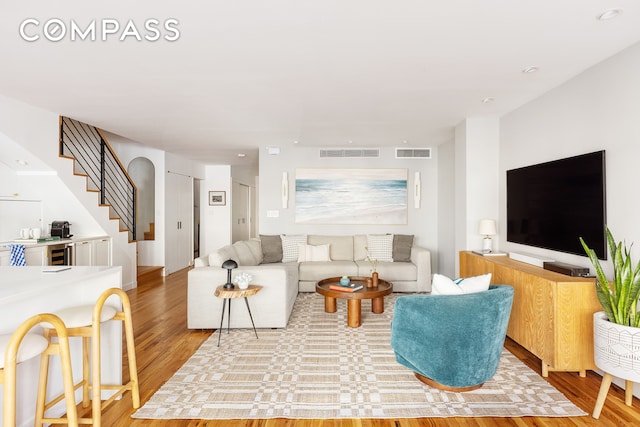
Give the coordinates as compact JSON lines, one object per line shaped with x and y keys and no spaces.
{"x":416,"y":190}
{"x":285,"y":190}
{"x":487,"y":229}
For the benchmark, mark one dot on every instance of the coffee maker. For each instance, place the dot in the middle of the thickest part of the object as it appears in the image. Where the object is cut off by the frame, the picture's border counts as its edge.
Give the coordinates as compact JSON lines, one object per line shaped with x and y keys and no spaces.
{"x":61,"y":229}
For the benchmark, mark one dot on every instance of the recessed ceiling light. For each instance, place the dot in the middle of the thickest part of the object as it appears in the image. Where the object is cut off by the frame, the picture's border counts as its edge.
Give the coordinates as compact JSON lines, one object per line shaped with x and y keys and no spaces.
{"x":295,"y":142}
{"x":350,"y":142}
{"x":242,"y":155}
{"x":609,"y":14}
{"x":405,"y":142}
{"x":488,"y":99}
{"x":529,"y":70}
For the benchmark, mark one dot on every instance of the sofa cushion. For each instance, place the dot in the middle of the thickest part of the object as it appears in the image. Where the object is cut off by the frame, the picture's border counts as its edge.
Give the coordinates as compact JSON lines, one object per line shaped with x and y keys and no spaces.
{"x":216,"y":258}
{"x":380,"y":247}
{"x":271,"y":248}
{"x":290,"y":245}
{"x":402,"y":244}
{"x":341,"y":247}
{"x":249,"y":252}
{"x":442,"y":285}
{"x":360,"y":247}
{"x":316,"y":271}
{"x":313,"y":253}
{"x":391,"y":271}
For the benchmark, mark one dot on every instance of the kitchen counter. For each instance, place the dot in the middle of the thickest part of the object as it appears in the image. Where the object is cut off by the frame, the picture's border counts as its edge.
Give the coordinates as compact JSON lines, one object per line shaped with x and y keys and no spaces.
{"x":4,"y":246}
{"x":26,"y":291}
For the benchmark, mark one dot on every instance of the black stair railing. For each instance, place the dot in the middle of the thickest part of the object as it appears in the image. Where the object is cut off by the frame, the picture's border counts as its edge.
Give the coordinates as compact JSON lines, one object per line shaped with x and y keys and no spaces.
{"x":95,"y":158}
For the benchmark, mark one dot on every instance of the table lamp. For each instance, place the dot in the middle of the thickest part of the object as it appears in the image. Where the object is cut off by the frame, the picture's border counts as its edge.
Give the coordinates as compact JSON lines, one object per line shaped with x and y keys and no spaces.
{"x":487,"y":229}
{"x":229,"y":265}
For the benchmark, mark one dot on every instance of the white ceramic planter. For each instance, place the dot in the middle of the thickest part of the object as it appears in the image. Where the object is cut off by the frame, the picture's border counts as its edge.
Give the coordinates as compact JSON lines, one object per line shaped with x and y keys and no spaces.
{"x":616,"y":348}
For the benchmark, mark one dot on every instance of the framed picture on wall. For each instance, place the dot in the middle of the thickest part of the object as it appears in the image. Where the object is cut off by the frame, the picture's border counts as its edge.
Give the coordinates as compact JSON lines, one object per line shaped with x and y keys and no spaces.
{"x":217,"y":198}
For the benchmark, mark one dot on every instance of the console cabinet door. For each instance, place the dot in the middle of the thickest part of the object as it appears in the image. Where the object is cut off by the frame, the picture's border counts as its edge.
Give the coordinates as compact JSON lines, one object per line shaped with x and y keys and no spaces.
{"x":35,"y":256}
{"x":82,"y":253}
{"x":101,"y":252}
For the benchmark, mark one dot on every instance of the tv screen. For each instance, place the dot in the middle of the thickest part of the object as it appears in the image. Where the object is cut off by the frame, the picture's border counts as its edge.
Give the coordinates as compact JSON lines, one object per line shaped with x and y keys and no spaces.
{"x":550,"y":205}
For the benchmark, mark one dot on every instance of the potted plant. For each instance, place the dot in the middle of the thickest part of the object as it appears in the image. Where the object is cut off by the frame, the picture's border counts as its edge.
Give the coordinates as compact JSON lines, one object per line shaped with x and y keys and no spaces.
{"x":617,"y":328}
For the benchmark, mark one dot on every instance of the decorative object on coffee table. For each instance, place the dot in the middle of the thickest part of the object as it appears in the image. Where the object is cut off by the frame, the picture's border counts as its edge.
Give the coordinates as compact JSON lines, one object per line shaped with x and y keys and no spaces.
{"x":228,"y":294}
{"x":374,"y":279}
{"x":354,"y":299}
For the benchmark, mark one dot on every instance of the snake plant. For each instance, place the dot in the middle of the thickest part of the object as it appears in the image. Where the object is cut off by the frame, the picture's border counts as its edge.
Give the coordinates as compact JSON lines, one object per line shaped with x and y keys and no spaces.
{"x":620,"y":302}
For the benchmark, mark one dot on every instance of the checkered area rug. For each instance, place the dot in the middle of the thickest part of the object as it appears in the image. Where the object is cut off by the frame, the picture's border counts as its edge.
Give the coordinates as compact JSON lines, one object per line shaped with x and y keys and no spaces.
{"x":319,"y":368}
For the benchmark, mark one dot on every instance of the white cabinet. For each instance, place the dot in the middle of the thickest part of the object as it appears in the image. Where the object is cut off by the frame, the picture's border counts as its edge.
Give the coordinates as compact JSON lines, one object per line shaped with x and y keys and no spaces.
{"x":32,"y":256}
{"x":95,"y":252}
{"x":179,"y":222}
{"x":35,"y":256}
{"x":102,"y":252}
{"x":82,"y":253}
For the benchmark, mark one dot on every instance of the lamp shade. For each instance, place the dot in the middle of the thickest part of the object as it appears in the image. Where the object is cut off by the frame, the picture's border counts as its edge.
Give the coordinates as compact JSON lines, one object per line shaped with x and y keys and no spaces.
{"x":487,"y":227}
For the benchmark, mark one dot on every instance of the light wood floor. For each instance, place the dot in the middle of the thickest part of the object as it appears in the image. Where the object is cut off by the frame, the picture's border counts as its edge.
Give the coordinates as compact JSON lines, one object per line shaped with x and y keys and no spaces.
{"x":163,"y":344}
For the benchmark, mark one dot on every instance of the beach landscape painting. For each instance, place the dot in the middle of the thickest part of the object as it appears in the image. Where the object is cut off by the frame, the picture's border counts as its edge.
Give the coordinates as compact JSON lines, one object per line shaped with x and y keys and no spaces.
{"x":351,"y":196}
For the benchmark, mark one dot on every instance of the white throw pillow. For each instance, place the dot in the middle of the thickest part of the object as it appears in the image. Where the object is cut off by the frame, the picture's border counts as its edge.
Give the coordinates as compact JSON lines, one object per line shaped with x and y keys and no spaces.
{"x":380,"y":247}
{"x":313,"y":253}
{"x":290,"y":246}
{"x":442,"y":285}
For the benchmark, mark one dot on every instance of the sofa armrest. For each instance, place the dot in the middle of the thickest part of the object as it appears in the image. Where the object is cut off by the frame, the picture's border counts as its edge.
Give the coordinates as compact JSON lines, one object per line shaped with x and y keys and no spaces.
{"x":421,"y":257}
{"x":202,"y":261}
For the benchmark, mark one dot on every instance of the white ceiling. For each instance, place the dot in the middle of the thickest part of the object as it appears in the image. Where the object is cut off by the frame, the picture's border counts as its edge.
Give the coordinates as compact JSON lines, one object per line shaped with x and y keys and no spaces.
{"x":250,"y":73}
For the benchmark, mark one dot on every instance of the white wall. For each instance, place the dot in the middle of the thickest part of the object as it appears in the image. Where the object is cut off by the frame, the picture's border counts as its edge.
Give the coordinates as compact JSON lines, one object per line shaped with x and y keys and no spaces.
{"x":215,"y":221}
{"x":422,"y":222}
{"x":599,"y":109}
{"x":447,"y":254}
{"x":476,"y":171}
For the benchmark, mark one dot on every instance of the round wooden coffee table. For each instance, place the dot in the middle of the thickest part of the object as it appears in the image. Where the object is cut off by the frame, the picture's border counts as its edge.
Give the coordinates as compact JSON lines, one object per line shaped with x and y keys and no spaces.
{"x":354,"y":299}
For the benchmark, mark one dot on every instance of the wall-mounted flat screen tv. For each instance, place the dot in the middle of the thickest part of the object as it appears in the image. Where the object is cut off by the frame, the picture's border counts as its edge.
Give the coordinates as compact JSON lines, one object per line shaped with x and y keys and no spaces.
{"x":550,"y":205}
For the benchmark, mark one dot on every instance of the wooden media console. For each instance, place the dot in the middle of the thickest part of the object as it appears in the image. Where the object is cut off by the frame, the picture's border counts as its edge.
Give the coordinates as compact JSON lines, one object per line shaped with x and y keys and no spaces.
{"x":552,"y":314}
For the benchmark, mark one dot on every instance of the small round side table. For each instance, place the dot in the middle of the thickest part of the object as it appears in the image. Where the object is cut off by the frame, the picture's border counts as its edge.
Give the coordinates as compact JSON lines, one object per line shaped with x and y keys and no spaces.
{"x":228,"y":294}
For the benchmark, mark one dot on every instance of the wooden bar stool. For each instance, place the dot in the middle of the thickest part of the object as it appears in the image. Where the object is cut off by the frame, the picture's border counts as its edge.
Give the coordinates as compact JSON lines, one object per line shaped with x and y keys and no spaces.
{"x":85,"y":322}
{"x":22,"y":346}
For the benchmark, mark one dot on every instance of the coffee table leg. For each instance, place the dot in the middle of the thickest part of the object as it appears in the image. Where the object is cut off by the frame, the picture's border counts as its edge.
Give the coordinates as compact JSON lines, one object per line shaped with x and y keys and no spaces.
{"x":330,"y":305}
{"x":377,"y":305}
{"x":224,"y":303}
{"x":251,"y":317}
{"x":354,"y":315}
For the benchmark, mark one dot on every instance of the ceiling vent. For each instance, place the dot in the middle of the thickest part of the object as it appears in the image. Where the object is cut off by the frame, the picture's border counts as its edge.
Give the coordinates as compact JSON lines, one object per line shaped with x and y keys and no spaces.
{"x":349,"y":152}
{"x":413,"y":153}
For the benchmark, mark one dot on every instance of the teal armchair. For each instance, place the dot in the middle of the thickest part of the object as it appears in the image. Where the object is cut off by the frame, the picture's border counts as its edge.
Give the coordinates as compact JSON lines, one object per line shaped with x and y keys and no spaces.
{"x":452,"y":342}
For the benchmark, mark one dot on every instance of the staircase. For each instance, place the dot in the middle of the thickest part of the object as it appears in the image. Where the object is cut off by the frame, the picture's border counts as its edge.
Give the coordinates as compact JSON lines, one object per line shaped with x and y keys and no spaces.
{"x":94,"y":159}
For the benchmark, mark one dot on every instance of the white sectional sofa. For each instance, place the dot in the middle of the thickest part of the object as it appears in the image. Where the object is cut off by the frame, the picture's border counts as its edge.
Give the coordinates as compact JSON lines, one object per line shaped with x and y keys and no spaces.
{"x":285,"y":265}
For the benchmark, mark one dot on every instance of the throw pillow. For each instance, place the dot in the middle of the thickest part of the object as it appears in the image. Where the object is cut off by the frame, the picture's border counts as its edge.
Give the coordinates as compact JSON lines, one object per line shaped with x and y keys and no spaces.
{"x":380,"y":247}
{"x":216,"y":258}
{"x":402,"y":244}
{"x":271,"y":249}
{"x":245,"y":254}
{"x":313,"y":253}
{"x":290,"y":246}
{"x":442,"y":285}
